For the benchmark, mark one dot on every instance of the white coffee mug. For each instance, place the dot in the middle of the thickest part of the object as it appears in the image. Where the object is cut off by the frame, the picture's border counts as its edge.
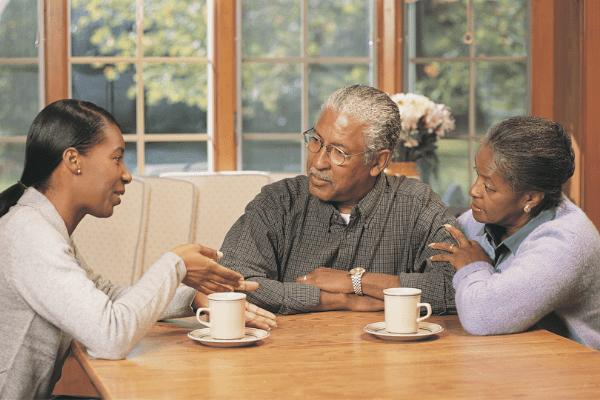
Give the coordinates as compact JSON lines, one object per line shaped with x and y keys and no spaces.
{"x":227,"y":313}
{"x":402,"y":310}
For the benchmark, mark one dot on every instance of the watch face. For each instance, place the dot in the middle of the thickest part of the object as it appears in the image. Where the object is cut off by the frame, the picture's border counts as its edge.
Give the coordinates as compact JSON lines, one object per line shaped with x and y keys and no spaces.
{"x":357,"y":271}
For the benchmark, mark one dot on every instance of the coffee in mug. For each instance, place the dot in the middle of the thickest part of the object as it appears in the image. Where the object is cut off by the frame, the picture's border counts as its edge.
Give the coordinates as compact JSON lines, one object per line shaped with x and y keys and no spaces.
{"x":227,"y":313}
{"x":402,"y":310}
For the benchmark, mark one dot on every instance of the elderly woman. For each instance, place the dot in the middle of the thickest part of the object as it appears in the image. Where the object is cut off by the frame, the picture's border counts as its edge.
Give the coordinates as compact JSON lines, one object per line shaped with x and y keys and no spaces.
{"x":528,"y":256}
{"x":48,"y":295}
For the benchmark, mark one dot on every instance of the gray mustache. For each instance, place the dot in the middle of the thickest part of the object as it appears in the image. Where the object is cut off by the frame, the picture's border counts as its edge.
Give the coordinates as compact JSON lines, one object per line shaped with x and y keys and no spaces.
{"x":319,"y":174}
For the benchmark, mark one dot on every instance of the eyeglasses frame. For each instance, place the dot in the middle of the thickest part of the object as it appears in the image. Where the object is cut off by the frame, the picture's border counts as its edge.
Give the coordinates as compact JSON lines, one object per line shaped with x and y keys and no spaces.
{"x":327,"y":147}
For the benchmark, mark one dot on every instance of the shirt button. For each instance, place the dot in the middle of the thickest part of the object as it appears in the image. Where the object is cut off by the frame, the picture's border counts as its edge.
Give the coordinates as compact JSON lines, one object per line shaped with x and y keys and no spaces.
{"x":347,"y":236}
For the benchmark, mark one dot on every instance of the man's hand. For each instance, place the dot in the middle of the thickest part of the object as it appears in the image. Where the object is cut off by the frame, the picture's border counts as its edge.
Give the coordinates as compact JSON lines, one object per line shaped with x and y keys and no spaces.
{"x":329,"y":301}
{"x":331,"y":280}
{"x":205,"y":275}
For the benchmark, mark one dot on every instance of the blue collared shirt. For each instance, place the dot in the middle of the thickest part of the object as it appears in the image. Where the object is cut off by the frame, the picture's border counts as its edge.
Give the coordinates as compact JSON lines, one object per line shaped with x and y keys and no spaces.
{"x":510,"y":245}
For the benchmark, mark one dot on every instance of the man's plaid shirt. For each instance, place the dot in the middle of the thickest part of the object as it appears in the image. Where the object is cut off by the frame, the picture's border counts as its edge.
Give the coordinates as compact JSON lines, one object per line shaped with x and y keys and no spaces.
{"x":286,"y":232}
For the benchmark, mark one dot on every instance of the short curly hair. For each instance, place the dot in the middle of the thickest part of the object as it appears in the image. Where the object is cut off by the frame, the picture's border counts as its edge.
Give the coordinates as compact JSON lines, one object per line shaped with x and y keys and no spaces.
{"x":372,"y":108}
{"x":532,"y":154}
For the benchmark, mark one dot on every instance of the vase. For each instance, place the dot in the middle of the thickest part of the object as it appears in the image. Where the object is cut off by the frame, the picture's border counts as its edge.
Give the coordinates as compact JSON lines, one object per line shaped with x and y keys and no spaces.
{"x":406,"y":168}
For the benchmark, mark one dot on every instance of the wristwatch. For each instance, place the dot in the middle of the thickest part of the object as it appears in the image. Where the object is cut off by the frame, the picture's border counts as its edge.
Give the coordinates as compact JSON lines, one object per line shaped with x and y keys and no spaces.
{"x":356,"y":275}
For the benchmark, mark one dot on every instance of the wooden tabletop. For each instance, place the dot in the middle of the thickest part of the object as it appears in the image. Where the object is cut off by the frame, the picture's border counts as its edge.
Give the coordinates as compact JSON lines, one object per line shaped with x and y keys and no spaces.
{"x":329,"y":355}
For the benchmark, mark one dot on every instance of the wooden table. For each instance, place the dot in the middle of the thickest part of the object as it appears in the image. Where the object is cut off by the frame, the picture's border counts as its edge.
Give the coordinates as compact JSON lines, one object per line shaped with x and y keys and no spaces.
{"x":329,"y":355}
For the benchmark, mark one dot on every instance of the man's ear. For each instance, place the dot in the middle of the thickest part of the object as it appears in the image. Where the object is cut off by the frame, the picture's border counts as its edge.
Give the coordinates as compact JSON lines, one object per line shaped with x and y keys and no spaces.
{"x":380,"y":161}
{"x":72,"y":160}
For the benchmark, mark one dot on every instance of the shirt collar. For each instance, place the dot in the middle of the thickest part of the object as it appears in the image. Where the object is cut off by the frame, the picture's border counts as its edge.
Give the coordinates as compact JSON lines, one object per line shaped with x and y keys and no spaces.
{"x":514,"y":241}
{"x":365,"y":207}
{"x":368,"y":204}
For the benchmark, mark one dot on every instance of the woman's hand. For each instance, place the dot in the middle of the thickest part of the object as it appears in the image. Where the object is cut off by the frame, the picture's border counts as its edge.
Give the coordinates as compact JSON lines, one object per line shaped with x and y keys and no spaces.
{"x":467,"y":251}
{"x":205,"y":275}
{"x":259,"y":318}
{"x":255,"y":316}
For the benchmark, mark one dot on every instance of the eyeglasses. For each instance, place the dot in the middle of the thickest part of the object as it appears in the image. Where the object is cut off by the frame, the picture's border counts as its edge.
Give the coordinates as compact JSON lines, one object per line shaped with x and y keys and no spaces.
{"x":314,"y":144}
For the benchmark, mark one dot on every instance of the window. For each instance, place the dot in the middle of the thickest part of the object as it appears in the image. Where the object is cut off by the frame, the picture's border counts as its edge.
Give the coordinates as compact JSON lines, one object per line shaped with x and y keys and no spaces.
{"x":148,"y":62}
{"x":471,"y":55}
{"x":20,"y":72}
{"x":152,"y":64}
{"x":294,"y":54}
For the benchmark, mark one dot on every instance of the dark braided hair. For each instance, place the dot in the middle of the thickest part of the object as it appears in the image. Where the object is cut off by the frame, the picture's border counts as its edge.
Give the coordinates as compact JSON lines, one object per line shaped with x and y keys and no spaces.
{"x":60,"y":125}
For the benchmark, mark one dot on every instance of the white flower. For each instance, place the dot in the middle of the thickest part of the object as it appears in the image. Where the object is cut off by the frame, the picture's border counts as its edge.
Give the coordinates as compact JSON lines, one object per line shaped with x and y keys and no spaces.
{"x":421,"y":117}
{"x":439,"y":120}
{"x":410,"y":142}
{"x":414,"y":107}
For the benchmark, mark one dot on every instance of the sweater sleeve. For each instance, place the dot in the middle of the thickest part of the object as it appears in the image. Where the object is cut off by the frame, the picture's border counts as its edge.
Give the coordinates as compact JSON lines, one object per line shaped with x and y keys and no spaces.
{"x":542,"y":274}
{"x":107,"y":319}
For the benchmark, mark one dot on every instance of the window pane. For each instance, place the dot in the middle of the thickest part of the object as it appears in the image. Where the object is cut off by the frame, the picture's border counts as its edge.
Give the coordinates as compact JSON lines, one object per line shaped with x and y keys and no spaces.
{"x":176,"y":98}
{"x":103,"y":28}
{"x":18,"y":28}
{"x":271,"y":98}
{"x":12,"y":158}
{"x":130,"y":158}
{"x":339,"y":28}
{"x":450,"y":179}
{"x":276,"y":156}
{"x":110,"y":86}
{"x":436,"y":28}
{"x":175,"y":157}
{"x":19,"y":98}
{"x":324,"y":79}
{"x":501,"y":27}
{"x":271,"y":29}
{"x":446,"y":83}
{"x":501,"y":93}
{"x":174,"y":28}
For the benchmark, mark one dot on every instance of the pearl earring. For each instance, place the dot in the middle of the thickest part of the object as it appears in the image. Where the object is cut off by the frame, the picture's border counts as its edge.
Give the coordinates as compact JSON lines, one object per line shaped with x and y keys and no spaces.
{"x":78,"y":171}
{"x":527,"y":208}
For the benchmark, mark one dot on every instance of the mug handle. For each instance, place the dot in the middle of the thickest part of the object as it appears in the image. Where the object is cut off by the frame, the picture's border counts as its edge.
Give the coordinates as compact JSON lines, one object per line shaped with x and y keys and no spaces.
{"x":428,"y":306}
{"x":200,"y":310}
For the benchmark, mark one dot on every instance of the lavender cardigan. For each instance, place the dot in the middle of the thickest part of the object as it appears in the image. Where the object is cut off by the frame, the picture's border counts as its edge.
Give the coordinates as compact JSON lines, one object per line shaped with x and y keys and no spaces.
{"x":551,"y":279}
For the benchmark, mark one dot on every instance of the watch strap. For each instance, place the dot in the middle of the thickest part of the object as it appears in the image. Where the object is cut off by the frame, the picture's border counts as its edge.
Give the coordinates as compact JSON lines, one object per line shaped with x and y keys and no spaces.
{"x":357,"y":284}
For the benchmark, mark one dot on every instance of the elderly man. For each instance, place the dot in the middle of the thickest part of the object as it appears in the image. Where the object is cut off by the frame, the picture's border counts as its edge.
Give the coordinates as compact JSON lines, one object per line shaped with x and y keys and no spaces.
{"x":333,"y":240}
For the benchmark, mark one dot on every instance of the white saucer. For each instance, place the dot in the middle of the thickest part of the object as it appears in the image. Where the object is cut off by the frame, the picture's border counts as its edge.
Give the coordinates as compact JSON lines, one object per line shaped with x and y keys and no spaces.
{"x":252,"y":336}
{"x":426,"y":329}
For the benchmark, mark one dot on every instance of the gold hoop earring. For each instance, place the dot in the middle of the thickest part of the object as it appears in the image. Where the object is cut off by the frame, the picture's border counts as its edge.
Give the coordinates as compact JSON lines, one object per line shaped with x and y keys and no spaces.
{"x":527,"y":208}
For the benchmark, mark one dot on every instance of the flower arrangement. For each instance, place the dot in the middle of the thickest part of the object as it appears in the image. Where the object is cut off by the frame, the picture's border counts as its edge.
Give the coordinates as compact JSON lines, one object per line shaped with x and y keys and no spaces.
{"x":423,"y":122}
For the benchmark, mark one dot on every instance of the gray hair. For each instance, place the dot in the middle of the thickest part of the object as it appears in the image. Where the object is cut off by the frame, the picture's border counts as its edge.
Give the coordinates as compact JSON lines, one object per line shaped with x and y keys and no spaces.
{"x":532,"y":154}
{"x":372,"y":108}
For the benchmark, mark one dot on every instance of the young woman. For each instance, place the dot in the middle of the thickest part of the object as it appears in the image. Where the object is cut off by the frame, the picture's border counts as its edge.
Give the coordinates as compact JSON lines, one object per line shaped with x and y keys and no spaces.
{"x":528,"y":255}
{"x":48,"y":295}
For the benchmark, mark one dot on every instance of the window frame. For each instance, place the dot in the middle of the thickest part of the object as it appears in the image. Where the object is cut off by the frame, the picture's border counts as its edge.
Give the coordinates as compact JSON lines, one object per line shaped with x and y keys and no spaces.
{"x":304,"y":60}
{"x":549,"y":47}
{"x":472,"y":137}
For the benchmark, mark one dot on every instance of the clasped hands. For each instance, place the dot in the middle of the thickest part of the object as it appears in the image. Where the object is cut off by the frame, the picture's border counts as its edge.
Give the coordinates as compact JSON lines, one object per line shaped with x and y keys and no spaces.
{"x":207,"y":276}
{"x":337,"y":291}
